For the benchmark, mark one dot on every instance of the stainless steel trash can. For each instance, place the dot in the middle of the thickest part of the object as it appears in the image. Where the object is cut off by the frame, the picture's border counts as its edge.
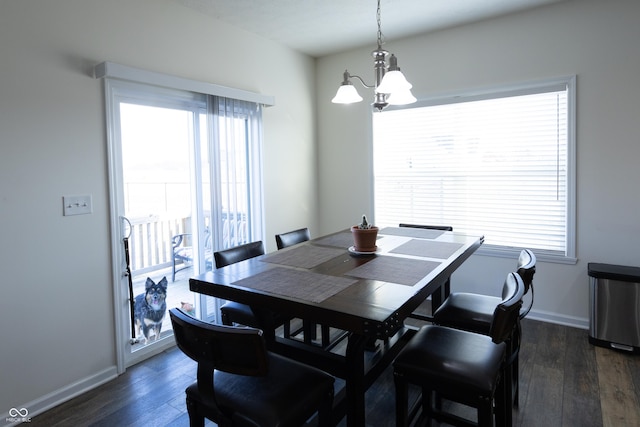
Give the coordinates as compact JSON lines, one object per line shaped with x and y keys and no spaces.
{"x":614,"y":294}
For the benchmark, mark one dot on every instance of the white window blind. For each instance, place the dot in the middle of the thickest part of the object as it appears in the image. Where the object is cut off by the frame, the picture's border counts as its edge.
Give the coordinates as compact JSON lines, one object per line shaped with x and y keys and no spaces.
{"x":496,"y":164}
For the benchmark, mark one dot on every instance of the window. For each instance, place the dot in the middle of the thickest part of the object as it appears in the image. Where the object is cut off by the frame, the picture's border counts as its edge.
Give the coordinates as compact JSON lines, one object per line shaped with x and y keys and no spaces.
{"x":499,"y":163}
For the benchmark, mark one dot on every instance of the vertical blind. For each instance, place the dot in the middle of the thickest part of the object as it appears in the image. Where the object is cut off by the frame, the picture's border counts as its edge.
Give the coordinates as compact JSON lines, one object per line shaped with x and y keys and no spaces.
{"x":238,"y":175}
{"x":495,"y":165}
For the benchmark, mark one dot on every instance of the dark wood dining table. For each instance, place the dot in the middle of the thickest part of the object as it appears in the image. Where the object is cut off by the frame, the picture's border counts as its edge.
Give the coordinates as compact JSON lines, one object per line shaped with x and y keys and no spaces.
{"x":367,"y":295}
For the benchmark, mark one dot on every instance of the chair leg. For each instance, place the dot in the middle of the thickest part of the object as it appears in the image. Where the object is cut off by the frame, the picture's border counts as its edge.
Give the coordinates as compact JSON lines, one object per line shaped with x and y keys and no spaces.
{"x":225,"y":319}
{"x":507,"y":407}
{"x":503,"y":403}
{"x":516,"y":383}
{"x":437,"y":401}
{"x":402,"y":401}
{"x":507,"y":381}
{"x":431,"y":403}
{"x":195,"y":419}
{"x":515,"y":365}
{"x":485,"y":413}
{"x":325,"y":415}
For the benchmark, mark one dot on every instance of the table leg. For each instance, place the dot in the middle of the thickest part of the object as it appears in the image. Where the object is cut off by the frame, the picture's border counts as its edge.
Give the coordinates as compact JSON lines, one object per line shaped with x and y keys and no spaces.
{"x":439,"y":295}
{"x":266,"y":320}
{"x":309,"y":331}
{"x":355,"y":382}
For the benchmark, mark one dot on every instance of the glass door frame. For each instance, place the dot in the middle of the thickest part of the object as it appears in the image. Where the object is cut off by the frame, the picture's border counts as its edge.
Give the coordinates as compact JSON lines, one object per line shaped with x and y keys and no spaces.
{"x":117,"y":92}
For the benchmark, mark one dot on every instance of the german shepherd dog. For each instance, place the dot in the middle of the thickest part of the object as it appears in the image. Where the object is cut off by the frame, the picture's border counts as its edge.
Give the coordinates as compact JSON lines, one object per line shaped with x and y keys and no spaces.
{"x":150,"y":308}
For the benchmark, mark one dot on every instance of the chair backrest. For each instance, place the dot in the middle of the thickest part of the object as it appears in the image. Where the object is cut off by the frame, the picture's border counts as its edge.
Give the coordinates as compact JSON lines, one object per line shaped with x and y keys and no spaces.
{"x":506,"y":314}
{"x":429,"y":227}
{"x":527,"y":268}
{"x":238,"y":253}
{"x":185,"y":239}
{"x":291,"y":238}
{"x":237,"y":350}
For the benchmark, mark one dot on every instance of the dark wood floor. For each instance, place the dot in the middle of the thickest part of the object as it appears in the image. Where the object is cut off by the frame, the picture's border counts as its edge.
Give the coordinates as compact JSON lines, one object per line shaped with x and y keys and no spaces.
{"x":564,"y":381}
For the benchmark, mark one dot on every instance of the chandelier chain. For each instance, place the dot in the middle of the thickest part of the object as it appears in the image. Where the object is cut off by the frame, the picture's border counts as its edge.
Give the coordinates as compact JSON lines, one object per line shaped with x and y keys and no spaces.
{"x":378,"y":18}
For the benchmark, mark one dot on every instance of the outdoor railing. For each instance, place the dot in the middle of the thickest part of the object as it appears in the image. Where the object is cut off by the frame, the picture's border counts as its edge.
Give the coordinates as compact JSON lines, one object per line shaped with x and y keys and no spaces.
{"x":150,"y":241}
{"x":150,"y":246}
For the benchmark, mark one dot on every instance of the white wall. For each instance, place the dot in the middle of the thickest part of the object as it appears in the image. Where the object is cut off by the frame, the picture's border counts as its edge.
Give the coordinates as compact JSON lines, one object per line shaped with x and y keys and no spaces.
{"x":595,"y":40}
{"x":56,"y":316}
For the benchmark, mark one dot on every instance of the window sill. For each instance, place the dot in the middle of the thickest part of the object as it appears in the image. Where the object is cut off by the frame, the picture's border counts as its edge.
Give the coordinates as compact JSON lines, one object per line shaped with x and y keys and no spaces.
{"x":512,"y":252}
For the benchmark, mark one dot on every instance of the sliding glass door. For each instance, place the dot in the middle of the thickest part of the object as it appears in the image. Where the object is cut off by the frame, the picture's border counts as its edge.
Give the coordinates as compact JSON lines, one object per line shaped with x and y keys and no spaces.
{"x":156,"y":188}
{"x":185,"y":181}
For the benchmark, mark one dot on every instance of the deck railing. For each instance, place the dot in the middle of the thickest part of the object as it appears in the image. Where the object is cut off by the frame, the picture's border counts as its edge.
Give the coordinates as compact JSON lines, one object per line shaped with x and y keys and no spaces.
{"x":150,"y":246}
{"x":150,"y":241}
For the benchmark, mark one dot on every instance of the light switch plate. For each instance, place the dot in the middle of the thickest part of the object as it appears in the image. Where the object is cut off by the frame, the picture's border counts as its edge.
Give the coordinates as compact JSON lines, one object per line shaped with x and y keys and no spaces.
{"x":77,"y":205}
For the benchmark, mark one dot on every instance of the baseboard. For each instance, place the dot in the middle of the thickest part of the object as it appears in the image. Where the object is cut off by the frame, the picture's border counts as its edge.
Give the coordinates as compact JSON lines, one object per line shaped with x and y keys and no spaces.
{"x":572,"y":321}
{"x":57,"y":397}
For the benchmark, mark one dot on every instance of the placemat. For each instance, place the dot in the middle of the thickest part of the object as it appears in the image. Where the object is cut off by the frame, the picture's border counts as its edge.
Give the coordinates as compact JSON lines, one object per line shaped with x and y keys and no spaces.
{"x":305,"y":256}
{"x":396,"y":270}
{"x":300,"y":284}
{"x":423,"y":233}
{"x":428,"y":248}
{"x":340,"y":240}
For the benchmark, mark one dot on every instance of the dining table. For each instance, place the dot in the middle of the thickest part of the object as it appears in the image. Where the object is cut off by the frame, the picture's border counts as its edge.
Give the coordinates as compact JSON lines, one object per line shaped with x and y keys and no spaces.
{"x":367,"y":295}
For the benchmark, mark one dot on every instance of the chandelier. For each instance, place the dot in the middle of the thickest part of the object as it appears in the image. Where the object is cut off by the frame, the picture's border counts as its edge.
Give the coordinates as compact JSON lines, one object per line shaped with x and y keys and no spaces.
{"x":390,"y":87}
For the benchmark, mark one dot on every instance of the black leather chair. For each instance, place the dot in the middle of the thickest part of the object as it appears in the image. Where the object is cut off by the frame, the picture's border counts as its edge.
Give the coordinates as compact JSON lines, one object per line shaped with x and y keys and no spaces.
{"x":460,"y":366}
{"x":285,"y":240}
{"x":474,"y":312}
{"x":436,"y":299}
{"x":238,"y":253}
{"x":240,"y":383}
{"x":290,"y":238}
{"x":232,"y":311}
{"x":430,"y":227}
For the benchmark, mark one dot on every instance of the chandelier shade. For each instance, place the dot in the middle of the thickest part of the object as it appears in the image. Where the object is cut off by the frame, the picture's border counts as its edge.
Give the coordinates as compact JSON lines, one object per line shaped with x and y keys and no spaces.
{"x":401,"y":98}
{"x":393,"y":80}
{"x":390,"y":86}
{"x":347,"y":93}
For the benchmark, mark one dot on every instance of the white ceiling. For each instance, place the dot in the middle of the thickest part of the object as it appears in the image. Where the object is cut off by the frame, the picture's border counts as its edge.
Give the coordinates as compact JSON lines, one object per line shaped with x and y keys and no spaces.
{"x":320,"y":27}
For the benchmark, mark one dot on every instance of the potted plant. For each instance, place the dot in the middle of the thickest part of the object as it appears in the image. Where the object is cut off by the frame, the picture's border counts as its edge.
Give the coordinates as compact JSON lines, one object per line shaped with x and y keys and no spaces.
{"x":364,"y":236}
